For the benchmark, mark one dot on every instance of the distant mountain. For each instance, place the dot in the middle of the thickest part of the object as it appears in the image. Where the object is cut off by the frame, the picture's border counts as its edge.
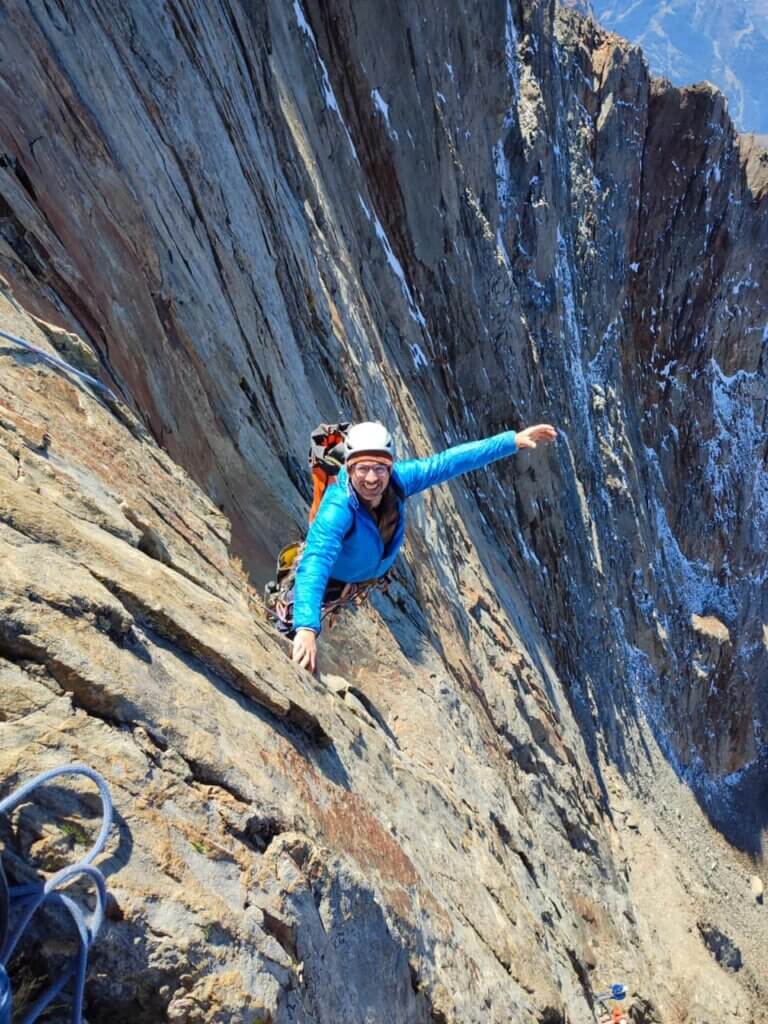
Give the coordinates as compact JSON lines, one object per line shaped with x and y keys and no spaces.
{"x":722,"y":41}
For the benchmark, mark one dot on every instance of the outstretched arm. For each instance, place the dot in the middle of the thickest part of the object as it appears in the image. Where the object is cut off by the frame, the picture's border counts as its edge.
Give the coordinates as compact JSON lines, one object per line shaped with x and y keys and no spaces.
{"x":417,"y":475}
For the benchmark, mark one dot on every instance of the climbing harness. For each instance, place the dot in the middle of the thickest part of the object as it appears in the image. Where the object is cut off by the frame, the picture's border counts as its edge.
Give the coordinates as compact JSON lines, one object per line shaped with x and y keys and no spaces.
{"x":616,"y":1014}
{"x":279,"y":594}
{"x":352,"y":596}
{"x":19,"y":904}
{"x":61,"y":365}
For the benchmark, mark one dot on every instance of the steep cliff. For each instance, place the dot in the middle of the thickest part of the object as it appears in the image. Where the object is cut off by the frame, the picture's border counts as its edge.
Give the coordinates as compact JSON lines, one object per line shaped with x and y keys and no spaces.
{"x":723,"y":43}
{"x":538,"y":763}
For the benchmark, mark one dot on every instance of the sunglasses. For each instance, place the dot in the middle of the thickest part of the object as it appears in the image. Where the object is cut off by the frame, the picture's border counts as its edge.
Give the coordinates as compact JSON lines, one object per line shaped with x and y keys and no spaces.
{"x":364,"y":468}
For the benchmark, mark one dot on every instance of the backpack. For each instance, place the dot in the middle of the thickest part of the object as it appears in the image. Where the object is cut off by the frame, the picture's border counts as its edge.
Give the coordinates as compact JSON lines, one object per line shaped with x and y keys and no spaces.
{"x":326,"y":457}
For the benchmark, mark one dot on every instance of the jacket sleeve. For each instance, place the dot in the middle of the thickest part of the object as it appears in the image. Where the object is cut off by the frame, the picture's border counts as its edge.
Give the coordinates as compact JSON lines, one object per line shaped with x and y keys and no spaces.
{"x":321,"y":549}
{"x":418,"y":474}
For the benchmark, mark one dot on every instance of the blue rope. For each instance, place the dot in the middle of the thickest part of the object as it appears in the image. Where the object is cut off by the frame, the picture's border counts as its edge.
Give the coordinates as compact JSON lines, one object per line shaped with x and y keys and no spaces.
{"x":29,"y":898}
{"x":21,"y":794}
{"x":5,"y":997}
{"x":55,"y":361}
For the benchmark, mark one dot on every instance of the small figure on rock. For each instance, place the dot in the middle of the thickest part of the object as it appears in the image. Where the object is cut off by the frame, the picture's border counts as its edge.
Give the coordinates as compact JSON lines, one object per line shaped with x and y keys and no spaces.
{"x":360,"y":524}
{"x":608,"y":1014}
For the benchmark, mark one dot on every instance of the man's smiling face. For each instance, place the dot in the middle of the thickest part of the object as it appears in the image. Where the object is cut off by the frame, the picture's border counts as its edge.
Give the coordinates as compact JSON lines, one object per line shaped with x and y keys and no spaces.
{"x":370,"y":480}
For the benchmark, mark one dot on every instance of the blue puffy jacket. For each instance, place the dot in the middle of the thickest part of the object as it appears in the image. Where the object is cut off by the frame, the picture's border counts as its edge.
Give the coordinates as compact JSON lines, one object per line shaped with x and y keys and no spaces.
{"x":344,"y":542}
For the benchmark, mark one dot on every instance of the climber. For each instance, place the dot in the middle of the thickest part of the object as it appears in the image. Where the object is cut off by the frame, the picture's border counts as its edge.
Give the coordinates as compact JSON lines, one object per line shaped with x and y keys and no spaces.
{"x":608,"y":1015}
{"x":360,"y":525}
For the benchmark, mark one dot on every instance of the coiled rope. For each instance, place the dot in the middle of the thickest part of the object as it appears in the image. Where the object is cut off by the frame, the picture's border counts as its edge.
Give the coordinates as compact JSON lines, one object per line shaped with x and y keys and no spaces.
{"x":23,"y":901}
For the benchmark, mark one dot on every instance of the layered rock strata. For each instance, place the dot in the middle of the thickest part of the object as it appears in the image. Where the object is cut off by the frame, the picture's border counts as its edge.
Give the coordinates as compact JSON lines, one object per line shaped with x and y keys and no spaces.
{"x":462,"y":220}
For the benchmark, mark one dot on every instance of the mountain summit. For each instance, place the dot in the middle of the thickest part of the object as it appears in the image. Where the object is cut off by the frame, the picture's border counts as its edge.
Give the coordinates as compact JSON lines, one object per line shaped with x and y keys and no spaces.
{"x":722,"y":41}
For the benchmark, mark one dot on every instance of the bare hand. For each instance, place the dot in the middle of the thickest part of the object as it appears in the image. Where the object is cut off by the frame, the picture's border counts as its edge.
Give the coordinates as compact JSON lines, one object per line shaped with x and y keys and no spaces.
{"x":542,"y":433}
{"x":305,"y":649}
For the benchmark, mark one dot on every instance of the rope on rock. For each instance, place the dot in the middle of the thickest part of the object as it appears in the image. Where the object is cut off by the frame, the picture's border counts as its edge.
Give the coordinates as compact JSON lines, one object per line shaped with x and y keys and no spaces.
{"x":61,"y":365}
{"x":23,"y":902}
{"x":5,"y":997}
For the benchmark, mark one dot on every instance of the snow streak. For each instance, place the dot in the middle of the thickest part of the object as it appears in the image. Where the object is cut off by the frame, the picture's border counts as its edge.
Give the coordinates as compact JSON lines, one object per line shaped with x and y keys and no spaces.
{"x":328,"y":93}
{"x":415,"y":313}
{"x":383,"y":109}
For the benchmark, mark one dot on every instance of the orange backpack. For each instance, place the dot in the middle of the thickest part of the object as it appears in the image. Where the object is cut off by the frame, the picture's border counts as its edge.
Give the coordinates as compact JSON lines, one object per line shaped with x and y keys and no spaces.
{"x":326,"y":457}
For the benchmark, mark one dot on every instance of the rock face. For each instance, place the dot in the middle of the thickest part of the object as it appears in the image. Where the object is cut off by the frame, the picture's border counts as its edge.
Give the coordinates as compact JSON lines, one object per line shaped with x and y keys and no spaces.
{"x":724,"y":43}
{"x":473,"y":216}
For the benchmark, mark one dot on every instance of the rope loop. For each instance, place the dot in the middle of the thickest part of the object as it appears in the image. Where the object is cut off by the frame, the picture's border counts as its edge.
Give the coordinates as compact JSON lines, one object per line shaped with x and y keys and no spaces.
{"x":23,"y":902}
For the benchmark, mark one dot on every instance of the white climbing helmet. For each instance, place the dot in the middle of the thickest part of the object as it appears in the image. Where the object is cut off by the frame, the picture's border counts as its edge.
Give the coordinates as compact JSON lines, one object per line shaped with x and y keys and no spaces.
{"x":368,"y":439}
